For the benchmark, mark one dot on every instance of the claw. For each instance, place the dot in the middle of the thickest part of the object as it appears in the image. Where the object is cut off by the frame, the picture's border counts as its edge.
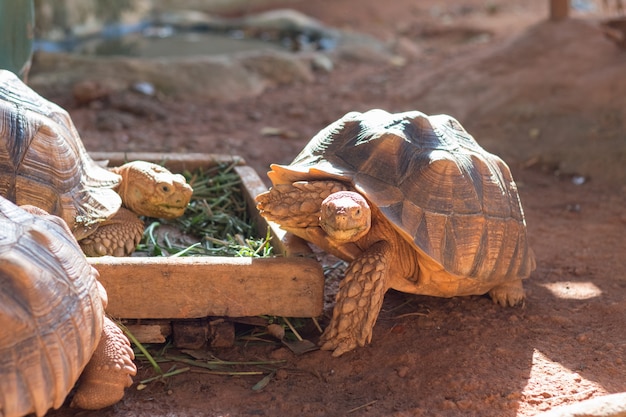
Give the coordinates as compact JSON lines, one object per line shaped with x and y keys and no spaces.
{"x":508,"y":294}
{"x":339,"y":347}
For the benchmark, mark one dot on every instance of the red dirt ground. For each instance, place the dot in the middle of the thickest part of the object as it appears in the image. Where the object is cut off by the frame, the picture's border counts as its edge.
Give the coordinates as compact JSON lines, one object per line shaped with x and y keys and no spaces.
{"x":429,"y":356}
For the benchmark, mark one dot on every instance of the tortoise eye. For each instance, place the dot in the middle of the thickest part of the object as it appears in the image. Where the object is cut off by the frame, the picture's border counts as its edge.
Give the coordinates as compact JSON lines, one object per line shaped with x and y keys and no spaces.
{"x":165,"y":188}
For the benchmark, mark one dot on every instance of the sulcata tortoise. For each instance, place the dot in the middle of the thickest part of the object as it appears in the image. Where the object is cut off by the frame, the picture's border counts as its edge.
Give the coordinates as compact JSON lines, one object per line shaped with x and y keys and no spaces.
{"x":52,"y":322}
{"x":43,"y":163}
{"x":413,"y":203}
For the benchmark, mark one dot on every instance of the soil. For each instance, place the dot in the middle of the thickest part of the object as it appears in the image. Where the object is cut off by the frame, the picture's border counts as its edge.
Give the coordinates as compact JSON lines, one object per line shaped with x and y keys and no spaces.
{"x":548,"y":98}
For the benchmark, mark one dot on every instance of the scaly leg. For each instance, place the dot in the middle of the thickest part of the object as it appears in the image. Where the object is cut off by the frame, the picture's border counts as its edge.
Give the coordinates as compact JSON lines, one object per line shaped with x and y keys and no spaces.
{"x":296,"y":205}
{"x":108,"y":372}
{"x":117,"y":236}
{"x":358,"y":301}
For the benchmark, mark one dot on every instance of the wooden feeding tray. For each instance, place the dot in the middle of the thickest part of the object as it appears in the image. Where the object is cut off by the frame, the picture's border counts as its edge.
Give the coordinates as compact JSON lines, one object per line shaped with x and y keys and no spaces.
{"x":198,"y":287}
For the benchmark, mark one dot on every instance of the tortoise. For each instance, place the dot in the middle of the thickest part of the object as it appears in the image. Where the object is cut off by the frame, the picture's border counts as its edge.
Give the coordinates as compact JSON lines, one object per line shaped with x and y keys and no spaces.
{"x":43,"y":163}
{"x":413,"y":203}
{"x":52,"y":323}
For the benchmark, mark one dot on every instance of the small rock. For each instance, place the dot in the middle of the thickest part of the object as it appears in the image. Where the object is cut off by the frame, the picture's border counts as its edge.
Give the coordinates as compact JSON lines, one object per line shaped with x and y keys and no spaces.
{"x":84,"y":92}
{"x":534,"y":133}
{"x":448,"y":405}
{"x":403,"y":371}
{"x":144,"y":87}
{"x":276,"y":330}
{"x":464,"y":404}
{"x":281,"y":353}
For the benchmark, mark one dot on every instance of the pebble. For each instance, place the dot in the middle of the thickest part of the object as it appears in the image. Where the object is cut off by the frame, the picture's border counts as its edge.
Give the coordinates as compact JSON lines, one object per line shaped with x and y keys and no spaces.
{"x":276,"y":330}
{"x":403,"y":371}
{"x":448,"y":405}
{"x":582,"y":338}
{"x":280,"y":354}
{"x":84,"y":92}
{"x":464,"y":405}
{"x":144,"y":87}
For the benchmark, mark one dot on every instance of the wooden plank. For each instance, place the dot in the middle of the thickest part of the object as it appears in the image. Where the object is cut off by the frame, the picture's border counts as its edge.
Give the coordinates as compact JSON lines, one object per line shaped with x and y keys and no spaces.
{"x":156,"y":331}
{"x":197,"y":287}
{"x":175,"y":162}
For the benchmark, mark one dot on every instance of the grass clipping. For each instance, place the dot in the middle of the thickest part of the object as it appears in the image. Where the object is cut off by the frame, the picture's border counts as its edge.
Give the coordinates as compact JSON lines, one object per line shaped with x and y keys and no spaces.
{"x":216,"y":222}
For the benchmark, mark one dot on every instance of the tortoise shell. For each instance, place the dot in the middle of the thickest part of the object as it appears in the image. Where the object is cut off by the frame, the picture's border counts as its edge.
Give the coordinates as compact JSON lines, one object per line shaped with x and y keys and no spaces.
{"x":51,"y":311}
{"x":43,"y":161}
{"x":454,"y":202}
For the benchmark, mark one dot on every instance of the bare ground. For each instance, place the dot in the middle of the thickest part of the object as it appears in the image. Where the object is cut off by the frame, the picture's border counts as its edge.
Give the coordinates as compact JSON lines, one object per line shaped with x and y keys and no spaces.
{"x":548,"y":98}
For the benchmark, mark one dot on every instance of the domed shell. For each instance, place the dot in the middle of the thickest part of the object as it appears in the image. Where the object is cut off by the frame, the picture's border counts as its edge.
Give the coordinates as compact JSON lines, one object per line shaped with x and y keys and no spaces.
{"x":43,"y":161}
{"x":443,"y":193}
{"x":51,"y":311}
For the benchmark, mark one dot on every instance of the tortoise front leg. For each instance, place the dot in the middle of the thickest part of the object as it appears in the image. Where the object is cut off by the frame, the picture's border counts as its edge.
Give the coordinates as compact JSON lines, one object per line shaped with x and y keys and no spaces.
{"x":358,"y":301}
{"x":296,"y":205}
{"x":117,"y":236}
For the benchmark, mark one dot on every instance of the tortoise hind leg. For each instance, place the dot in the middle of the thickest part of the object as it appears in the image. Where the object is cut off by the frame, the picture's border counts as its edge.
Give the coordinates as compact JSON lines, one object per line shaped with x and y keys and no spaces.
{"x":108,"y":372}
{"x":510,"y":293}
{"x":358,"y":301}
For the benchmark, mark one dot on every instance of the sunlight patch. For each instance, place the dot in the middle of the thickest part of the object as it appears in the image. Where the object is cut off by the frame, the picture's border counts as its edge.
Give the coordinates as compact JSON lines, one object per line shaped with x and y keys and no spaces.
{"x":550,"y":384}
{"x":573,"y":290}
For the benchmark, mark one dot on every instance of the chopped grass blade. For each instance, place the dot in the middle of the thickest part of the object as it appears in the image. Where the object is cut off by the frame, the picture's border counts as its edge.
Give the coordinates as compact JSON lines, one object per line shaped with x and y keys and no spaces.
{"x":263,"y":382}
{"x":216,"y":364}
{"x":165,"y":375}
{"x":213,"y":366}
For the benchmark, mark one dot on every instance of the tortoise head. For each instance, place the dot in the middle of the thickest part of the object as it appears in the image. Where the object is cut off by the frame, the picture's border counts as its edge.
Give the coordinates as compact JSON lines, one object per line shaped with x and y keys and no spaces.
{"x":148,"y":189}
{"x":345,"y":216}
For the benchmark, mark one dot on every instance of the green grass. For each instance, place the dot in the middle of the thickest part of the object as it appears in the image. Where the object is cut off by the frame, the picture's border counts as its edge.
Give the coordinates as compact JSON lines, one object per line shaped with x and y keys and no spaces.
{"x":216,"y":222}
